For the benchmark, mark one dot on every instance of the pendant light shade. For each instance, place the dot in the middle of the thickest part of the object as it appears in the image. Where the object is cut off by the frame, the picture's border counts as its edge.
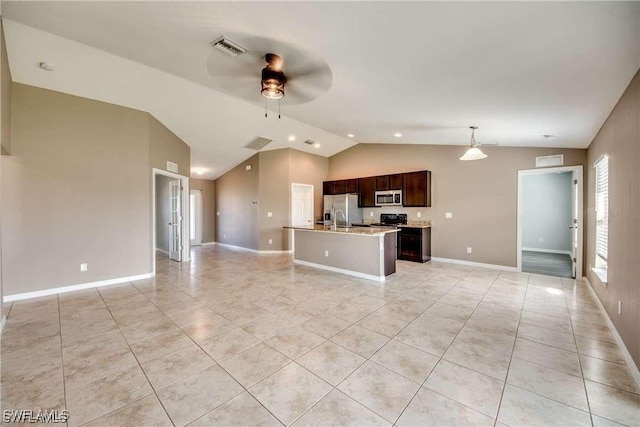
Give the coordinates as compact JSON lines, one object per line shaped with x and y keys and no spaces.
{"x":473,"y":153}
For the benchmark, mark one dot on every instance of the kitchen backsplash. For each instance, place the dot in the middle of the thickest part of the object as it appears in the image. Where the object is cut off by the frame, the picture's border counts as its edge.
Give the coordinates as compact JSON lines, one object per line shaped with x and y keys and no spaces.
{"x":412,"y":213}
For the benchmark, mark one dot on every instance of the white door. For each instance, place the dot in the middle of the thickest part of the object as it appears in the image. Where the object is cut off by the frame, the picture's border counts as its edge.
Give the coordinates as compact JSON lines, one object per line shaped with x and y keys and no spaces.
{"x":574,"y":224}
{"x":195,"y":217}
{"x":301,"y":205}
{"x":175,"y":223}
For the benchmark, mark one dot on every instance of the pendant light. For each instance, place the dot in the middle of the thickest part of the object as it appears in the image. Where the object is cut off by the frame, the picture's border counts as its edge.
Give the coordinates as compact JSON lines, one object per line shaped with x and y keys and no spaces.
{"x":473,"y":153}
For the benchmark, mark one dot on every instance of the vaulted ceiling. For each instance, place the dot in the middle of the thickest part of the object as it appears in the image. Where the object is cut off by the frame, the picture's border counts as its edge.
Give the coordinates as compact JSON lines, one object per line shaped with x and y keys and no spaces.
{"x":427,"y":70}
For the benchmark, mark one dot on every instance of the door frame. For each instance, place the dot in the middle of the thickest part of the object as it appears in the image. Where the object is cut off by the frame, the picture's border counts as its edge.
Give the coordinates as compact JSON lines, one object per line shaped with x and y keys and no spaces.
{"x":198,"y":215}
{"x":186,"y":244}
{"x":292,"y":241}
{"x":578,"y":174}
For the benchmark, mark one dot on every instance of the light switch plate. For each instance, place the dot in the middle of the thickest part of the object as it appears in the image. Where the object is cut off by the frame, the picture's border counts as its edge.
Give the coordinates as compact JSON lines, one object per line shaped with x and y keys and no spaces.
{"x":84,"y":267}
{"x":469,"y":249}
{"x":448,"y":215}
{"x":270,"y":214}
{"x":271,"y":241}
{"x":419,"y":214}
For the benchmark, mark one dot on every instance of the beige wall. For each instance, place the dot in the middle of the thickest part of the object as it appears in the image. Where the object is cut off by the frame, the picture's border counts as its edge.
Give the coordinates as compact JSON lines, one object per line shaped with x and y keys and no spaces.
{"x":237,"y":202}
{"x":5,"y":131}
{"x":207,"y":189}
{"x":78,"y":189}
{"x":619,"y":138}
{"x":163,"y":212}
{"x":274,"y":195}
{"x":309,"y":169}
{"x":270,"y":186}
{"x":482,"y":195}
{"x":5,"y":98}
{"x":165,"y":146}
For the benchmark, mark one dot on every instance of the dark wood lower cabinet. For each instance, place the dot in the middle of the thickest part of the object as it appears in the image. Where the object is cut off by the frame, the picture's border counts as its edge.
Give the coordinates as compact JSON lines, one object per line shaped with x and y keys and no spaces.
{"x":414,"y":244}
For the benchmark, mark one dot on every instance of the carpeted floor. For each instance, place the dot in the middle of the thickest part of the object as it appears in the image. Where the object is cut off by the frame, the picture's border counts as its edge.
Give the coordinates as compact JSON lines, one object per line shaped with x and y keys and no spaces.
{"x":558,"y":265}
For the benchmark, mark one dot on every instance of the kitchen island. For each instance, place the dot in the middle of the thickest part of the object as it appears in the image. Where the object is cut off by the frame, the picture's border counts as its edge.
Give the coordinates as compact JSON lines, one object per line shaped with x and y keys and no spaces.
{"x":369,"y":253}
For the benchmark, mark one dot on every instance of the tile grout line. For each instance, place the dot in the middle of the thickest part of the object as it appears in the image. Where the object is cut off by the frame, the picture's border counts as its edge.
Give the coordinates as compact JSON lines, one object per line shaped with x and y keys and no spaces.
{"x":506,"y":378}
{"x":64,"y":380}
{"x":137,"y":361}
{"x":584,"y":383}
{"x":451,"y":343}
{"x":212,"y":358}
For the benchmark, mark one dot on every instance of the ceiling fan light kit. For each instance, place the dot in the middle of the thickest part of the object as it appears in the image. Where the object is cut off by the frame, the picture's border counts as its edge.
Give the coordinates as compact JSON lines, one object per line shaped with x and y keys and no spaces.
{"x":473,"y":153}
{"x":273,"y":79}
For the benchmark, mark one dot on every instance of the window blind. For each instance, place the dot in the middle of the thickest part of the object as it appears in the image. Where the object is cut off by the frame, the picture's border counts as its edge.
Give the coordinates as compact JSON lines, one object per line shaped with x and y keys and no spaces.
{"x":602,"y":207}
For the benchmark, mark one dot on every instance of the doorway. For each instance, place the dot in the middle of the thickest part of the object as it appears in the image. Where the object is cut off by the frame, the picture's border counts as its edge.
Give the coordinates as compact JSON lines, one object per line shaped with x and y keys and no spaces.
{"x":195,"y":217}
{"x":549,"y":220}
{"x":301,"y":208}
{"x":170,"y":216}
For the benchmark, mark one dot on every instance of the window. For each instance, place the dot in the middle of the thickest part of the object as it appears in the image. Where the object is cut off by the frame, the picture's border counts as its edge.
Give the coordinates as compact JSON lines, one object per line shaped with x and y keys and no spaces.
{"x":602,"y":216}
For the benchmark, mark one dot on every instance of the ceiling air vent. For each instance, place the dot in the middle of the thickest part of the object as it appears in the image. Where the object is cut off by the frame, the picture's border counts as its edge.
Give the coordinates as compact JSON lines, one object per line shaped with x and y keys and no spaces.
{"x":310,"y":142}
{"x":258,"y":143}
{"x":229,"y":47}
{"x":546,"y":161}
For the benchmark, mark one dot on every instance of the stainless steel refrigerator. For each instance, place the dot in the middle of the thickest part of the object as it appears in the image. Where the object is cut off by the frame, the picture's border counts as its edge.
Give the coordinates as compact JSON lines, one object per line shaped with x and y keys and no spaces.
{"x":344,"y":208}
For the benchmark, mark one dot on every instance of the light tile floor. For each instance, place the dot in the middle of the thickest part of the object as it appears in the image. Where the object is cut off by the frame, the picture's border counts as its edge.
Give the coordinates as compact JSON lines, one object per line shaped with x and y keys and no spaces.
{"x":235,"y":338}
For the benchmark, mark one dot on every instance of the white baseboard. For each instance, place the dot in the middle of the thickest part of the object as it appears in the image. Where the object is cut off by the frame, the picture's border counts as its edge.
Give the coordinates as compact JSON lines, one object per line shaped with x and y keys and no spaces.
{"x":633,"y":368}
{"x":207,"y":243}
{"x":548,"y":251}
{"x":162,"y":251}
{"x":475,"y":264}
{"x":71,"y":288}
{"x":255,"y":251}
{"x":340,"y":270}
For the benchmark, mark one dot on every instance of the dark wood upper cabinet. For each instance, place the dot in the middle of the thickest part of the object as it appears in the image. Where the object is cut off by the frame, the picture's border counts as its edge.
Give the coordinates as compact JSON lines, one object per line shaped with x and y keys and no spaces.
{"x":339,"y":187}
{"x":395,"y":182}
{"x":367,"y":192}
{"x":351,"y":186}
{"x":328,"y":188}
{"x":416,"y":189}
{"x":382,"y":183}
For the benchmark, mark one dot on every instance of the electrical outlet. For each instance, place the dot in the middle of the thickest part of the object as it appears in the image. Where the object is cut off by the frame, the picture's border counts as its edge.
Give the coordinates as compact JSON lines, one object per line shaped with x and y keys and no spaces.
{"x":448,"y":215}
{"x":271,"y":241}
{"x":84,"y":267}
{"x":419,"y":214}
{"x":370,"y":213}
{"x":469,"y":249}
{"x":326,"y":253}
{"x":270,"y":214}
{"x":620,"y":308}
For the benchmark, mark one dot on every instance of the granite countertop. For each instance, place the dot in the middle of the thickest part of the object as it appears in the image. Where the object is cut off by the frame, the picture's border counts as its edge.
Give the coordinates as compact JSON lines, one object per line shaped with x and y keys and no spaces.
{"x":369,"y":231}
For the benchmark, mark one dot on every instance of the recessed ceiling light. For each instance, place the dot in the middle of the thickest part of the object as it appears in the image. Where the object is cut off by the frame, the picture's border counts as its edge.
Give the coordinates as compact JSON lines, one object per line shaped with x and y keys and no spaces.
{"x":199,"y":171}
{"x":47,"y":66}
{"x":316,"y":145}
{"x":292,"y":137}
{"x":548,"y":136}
{"x":350,"y":135}
{"x":397,"y":135}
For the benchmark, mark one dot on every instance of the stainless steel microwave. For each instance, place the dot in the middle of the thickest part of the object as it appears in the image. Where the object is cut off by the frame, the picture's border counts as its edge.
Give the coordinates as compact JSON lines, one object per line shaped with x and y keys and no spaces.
{"x":389,"y":198}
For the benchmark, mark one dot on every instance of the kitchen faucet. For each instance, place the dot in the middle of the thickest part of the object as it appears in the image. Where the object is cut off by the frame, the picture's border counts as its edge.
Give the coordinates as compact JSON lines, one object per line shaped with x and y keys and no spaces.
{"x":335,"y":217}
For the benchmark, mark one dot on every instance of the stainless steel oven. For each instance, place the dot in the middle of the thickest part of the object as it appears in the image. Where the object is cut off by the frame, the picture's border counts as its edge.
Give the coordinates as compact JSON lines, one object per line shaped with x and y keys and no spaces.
{"x":389,"y":198}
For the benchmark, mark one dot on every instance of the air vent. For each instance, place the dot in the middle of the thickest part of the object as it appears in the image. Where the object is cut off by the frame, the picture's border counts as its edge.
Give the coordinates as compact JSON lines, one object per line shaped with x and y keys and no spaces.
{"x":546,"y":161}
{"x":258,"y":143}
{"x":310,"y":142}
{"x":229,"y":47}
{"x":172,"y":167}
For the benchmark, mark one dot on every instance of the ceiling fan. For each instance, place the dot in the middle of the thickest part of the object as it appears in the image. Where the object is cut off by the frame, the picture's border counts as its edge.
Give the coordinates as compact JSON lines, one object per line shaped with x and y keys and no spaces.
{"x":473,"y":152}
{"x":268,"y":70}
